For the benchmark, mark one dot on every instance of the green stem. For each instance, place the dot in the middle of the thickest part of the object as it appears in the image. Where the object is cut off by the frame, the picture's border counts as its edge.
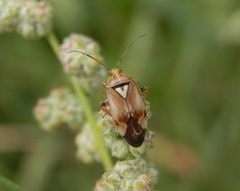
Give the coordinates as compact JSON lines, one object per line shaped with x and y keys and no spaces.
{"x":96,"y":129}
{"x":53,"y":41}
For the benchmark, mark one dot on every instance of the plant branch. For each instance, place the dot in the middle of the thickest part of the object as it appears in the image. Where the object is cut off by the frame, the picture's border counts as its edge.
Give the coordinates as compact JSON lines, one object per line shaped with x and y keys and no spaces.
{"x":96,"y":129}
{"x":53,"y":41}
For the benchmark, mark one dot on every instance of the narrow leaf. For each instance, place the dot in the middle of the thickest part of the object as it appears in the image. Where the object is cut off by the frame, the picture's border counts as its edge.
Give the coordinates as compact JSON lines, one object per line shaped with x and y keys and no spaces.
{"x":6,"y":185}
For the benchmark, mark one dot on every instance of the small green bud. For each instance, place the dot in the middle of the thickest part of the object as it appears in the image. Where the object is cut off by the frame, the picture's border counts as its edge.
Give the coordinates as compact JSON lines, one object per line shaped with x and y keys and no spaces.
{"x":88,"y":73}
{"x":61,"y":107}
{"x":119,"y":149}
{"x":126,"y":185}
{"x":112,"y":181}
{"x":129,"y":169}
{"x":153,"y":173}
{"x":9,"y":10}
{"x":142,"y":183}
{"x":35,"y":19}
{"x":146,"y":181}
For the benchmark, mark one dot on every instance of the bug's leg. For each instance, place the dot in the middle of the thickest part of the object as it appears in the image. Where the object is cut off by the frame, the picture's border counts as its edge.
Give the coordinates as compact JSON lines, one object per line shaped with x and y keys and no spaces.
{"x":105,"y":109}
{"x":143,"y":90}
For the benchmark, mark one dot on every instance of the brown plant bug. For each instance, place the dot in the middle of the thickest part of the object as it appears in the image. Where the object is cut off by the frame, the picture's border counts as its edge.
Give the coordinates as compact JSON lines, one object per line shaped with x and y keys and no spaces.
{"x":125,"y":103}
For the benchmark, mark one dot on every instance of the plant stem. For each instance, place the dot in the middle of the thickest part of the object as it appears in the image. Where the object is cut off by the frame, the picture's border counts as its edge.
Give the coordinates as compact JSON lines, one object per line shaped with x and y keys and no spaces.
{"x":96,"y":129}
{"x":53,"y":41}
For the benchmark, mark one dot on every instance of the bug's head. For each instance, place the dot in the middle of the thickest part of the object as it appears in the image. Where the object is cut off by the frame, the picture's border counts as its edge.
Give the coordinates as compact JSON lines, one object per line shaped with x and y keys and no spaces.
{"x":114,"y":75}
{"x":117,"y":77}
{"x":115,"y":72}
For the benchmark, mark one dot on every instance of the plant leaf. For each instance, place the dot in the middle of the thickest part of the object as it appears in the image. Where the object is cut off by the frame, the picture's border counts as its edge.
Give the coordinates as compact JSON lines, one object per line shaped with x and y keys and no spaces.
{"x":7,"y":185}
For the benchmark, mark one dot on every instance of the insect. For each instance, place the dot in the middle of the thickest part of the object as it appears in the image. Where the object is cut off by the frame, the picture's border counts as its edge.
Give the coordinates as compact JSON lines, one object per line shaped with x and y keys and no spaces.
{"x":125,"y":104}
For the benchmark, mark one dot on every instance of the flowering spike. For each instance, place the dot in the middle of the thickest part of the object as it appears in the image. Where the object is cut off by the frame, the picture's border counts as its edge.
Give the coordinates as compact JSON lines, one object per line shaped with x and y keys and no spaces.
{"x":9,"y":10}
{"x":61,"y":107}
{"x":129,"y":175}
{"x":35,"y":19}
{"x":87,"y":72}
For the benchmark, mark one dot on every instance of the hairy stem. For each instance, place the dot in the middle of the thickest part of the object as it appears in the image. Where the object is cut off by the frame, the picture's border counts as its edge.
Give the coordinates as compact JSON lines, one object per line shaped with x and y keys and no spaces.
{"x":96,"y":129}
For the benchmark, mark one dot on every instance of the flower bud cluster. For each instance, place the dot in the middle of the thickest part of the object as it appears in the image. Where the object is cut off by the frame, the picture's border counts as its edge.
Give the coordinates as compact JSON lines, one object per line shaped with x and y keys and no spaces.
{"x":84,"y":69}
{"x":9,"y":10}
{"x":120,"y":148}
{"x":128,"y":175}
{"x":31,"y":18}
{"x":35,"y":19}
{"x":86,"y":145}
{"x":61,"y":107}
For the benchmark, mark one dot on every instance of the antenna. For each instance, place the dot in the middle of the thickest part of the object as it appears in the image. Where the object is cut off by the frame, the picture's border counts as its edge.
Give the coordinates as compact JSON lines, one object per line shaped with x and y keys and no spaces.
{"x":128,"y":48}
{"x":88,"y":55}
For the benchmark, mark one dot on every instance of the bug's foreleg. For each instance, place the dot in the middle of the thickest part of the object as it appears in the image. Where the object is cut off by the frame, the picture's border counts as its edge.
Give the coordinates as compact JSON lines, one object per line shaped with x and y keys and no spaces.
{"x":104,"y":109}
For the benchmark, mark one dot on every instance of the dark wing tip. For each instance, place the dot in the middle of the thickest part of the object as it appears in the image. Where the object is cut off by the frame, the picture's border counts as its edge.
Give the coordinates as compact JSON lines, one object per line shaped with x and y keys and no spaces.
{"x":135,"y":134}
{"x":135,"y":142}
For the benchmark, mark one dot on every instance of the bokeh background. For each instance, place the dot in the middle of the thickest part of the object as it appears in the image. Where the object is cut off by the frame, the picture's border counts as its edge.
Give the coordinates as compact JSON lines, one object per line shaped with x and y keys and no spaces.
{"x":190,"y":62}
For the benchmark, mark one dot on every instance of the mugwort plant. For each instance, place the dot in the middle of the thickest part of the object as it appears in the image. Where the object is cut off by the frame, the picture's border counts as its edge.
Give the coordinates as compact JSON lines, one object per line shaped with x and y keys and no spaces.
{"x":119,"y":128}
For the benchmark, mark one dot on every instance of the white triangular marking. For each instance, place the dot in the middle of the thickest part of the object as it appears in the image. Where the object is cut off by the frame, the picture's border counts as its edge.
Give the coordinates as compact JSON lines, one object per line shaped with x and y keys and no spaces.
{"x":122,"y":90}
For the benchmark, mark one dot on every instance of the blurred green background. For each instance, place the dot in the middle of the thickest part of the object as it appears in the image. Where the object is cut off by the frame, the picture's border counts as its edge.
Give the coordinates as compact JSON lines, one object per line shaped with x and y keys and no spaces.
{"x":190,"y":62}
